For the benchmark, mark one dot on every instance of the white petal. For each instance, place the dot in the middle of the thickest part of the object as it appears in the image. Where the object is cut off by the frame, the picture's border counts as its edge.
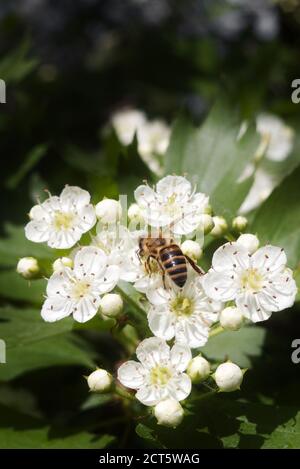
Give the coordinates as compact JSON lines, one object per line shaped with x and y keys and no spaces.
{"x":192,"y":332}
{"x":86,"y":218}
{"x":73,"y":196}
{"x":230,"y":256}
{"x":219,"y":286}
{"x":109,"y":279}
{"x":170,"y":185}
{"x":37,"y":231}
{"x":151,"y":395}
{"x":153,"y":351}
{"x":180,"y":387}
{"x":63,"y":239}
{"x":86,"y":309}
{"x":145,"y":196}
{"x":58,"y":283}
{"x":55,"y":309}
{"x":131,"y":374}
{"x":90,"y":261}
{"x":161,"y":322}
{"x":180,"y":356}
{"x":280,"y":292}
{"x":252,"y":308}
{"x":269,"y":258}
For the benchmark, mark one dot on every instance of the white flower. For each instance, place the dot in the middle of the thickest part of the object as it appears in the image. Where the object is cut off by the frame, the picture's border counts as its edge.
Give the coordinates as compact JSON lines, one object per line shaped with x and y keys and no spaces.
{"x":126,"y":123}
{"x":249,"y":241}
{"x":192,"y":249}
{"x":61,"y":263}
{"x":108,"y":211}
{"x":169,"y":413}
{"x":78,"y":291}
{"x":259,"y":283}
{"x":153,"y":140}
{"x":160,"y":373}
{"x":173,"y":204}
{"x":198,"y":369}
{"x":277,"y":139}
{"x":99,"y":381}
{"x":28,"y":267}
{"x":111,"y":305}
{"x":228,"y":377}
{"x":263,"y":185}
{"x":60,"y":221}
{"x":186,"y":314}
{"x":231,"y":318}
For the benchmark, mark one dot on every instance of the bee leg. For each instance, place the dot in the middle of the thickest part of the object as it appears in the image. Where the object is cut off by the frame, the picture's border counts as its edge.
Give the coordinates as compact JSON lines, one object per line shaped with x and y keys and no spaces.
{"x":195,"y":266}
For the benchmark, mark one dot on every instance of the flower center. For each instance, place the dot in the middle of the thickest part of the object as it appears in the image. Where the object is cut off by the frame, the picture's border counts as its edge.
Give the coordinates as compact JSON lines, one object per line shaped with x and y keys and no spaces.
{"x":63,"y":221}
{"x":160,"y":375}
{"x":171,"y":207}
{"x":182,"y":306}
{"x":252,"y":280}
{"x":80,"y":289}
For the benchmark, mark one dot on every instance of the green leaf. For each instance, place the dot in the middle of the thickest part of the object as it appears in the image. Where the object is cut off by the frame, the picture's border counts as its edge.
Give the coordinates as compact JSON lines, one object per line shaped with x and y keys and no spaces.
{"x":32,"y":343}
{"x":20,"y":431}
{"x":17,"y":65}
{"x":239,"y":346}
{"x":31,"y":160}
{"x":15,"y":246}
{"x":214,"y":158}
{"x":15,"y":287}
{"x":278,"y":220}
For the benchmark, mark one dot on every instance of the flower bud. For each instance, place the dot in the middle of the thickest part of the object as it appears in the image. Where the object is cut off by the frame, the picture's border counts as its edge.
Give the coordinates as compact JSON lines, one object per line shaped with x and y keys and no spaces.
{"x":192,"y":249}
{"x":228,"y":377}
{"x":249,"y":241}
{"x":111,"y":305}
{"x":239,"y":223}
{"x":231,"y":318}
{"x":108,"y":211}
{"x":99,"y":381}
{"x":62,"y":262}
{"x":220,"y":226}
{"x":198,"y":369}
{"x":169,"y":413}
{"x":207,"y":223}
{"x":135,"y":213}
{"x":28,"y":267}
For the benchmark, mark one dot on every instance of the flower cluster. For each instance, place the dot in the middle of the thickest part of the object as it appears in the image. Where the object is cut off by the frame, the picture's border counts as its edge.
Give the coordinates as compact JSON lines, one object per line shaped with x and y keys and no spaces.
{"x":184,"y":305}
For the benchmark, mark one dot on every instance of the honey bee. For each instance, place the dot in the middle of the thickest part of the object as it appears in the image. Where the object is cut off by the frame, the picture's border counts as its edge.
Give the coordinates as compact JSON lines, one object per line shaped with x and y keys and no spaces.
{"x":169,"y":257}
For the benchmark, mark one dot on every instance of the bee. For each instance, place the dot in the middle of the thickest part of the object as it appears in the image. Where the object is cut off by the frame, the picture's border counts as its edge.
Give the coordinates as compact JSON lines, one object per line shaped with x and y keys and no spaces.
{"x":169,"y":257}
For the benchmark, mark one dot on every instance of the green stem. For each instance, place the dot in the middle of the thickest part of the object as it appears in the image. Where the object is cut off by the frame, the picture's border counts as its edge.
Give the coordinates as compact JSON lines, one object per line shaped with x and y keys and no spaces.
{"x":200,"y":397}
{"x":217,"y":330}
{"x":230,"y":237}
{"x":124,"y":394}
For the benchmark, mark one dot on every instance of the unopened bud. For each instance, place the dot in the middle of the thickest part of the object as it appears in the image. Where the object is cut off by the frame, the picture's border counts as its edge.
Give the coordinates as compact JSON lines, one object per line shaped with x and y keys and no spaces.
{"x":220,"y":226}
{"x":28,"y":267}
{"x":239,"y":223}
{"x":135,"y":213}
{"x":61,"y":263}
{"x":100,"y":381}
{"x":249,"y":241}
{"x":111,"y":305}
{"x":169,"y":413}
{"x":192,"y":249}
{"x":198,"y":369}
{"x":206,"y":224}
{"x":228,"y":377}
{"x":231,"y":318}
{"x":108,"y":211}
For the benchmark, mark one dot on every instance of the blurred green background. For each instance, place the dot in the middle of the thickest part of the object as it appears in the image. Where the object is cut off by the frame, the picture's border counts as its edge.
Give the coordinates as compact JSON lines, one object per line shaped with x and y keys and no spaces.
{"x":68,"y":65}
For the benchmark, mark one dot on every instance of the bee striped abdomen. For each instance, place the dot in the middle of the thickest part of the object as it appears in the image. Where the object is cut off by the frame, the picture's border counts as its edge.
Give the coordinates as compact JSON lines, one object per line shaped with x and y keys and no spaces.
{"x":174,"y":264}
